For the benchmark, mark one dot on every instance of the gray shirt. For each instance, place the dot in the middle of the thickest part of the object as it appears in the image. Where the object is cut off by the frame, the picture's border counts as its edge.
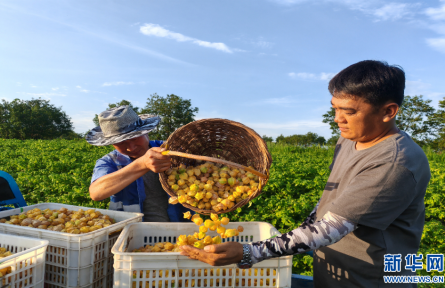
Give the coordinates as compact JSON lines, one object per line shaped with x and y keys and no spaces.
{"x":156,"y":200}
{"x":382,"y":189}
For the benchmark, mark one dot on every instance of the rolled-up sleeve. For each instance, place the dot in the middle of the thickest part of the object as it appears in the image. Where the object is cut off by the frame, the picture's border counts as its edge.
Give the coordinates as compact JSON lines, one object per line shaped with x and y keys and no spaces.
{"x":104,"y":166}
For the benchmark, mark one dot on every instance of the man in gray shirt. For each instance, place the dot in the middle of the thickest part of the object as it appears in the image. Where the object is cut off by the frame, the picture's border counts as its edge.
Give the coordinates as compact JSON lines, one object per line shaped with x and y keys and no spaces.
{"x":372,"y":204}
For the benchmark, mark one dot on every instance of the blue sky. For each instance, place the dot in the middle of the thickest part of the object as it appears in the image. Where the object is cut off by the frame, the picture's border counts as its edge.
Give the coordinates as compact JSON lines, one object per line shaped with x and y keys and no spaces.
{"x":265,"y":63}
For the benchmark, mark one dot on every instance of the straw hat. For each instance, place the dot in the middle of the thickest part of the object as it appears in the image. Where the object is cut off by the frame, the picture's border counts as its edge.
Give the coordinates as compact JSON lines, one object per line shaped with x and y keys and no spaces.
{"x":119,"y":124}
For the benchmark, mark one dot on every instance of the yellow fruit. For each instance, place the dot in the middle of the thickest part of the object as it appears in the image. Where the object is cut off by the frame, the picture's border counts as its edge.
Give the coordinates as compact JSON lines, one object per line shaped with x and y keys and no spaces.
{"x":220,"y":230}
{"x":216,"y":240}
{"x":198,"y":244}
{"x":181,"y":182}
{"x":191,"y":240}
{"x":182,"y":199}
{"x":182,"y":238}
{"x":201,"y":235}
{"x":209,"y":223}
{"x":208,"y":240}
{"x":173,"y":200}
{"x":187,"y":215}
{"x":209,"y":195}
{"x":199,"y":195}
{"x":203,"y":229}
{"x":230,"y":233}
{"x":84,"y":229}
{"x":240,"y":229}
{"x":194,"y":187}
{"x":198,"y":221}
{"x":214,"y":217}
{"x":225,"y":202}
{"x":195,"y":216}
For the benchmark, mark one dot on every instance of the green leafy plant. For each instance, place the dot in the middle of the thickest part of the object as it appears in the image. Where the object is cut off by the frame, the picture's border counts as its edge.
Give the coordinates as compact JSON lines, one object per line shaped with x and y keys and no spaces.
{"x":60,"y":171}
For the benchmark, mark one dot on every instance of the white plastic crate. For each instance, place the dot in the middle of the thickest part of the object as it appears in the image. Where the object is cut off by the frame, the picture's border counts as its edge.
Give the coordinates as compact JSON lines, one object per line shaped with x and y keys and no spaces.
{"x":172,"y":270}
{"x":27,"y":263}
{"x":75,"y":260}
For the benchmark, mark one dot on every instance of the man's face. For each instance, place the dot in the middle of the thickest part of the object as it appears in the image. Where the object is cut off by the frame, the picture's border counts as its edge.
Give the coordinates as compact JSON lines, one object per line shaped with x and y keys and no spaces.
{"x":358,"y":120}
{"x":134,"y":148}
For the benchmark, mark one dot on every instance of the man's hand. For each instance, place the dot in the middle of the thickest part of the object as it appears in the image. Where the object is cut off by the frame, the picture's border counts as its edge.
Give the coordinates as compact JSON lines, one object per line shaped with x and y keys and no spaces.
{"x":155,"y":161}
{"x":216,"y":255}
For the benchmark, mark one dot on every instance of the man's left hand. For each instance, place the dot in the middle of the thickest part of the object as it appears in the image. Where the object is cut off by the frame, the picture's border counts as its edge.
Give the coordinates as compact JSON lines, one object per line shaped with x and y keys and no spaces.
{"x":216,"y":255}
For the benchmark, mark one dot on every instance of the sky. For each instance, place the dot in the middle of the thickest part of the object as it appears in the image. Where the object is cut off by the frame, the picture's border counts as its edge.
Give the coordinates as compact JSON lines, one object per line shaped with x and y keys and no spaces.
{"x":264,"y":63}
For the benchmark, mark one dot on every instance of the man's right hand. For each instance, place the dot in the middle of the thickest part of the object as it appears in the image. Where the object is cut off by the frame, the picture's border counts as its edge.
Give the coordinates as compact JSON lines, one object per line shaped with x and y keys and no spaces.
{"x":155,"y":161}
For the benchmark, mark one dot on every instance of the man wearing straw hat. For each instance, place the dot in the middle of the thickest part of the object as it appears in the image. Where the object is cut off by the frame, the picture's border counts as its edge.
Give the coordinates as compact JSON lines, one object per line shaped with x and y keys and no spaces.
{"x":369,"y":221}
{"x":129,"y":174}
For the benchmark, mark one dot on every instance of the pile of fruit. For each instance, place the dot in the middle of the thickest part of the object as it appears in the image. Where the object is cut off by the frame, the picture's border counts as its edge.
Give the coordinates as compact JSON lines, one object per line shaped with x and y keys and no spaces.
{"x":198,"y":239}
{"x":62,"y":220}
{"x":210,"y":187}
{"x":4,"y":253}
{"x":8,"y":270}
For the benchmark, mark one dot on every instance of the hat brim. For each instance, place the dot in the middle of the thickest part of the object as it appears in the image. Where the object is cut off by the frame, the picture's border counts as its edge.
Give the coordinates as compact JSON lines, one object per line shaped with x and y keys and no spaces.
{"x":96,"y":137}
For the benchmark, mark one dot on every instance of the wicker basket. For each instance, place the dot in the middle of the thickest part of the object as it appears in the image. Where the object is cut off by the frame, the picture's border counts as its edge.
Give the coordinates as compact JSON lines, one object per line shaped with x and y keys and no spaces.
{"x":219,"y":138}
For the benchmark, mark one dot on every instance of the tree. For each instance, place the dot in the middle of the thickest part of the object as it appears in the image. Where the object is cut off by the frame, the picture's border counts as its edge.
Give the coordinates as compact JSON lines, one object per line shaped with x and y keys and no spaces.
{"x":267,"y":139}
{"x":174,"y":112}
{"x":416,"y":117}
{"x":280,"y":138}
{"x":33,"y":119}
{"x":439,"y":120}
{"x":329,"y":118}
{"x":308,"y":139}
{"x":112,"y":105}
{"x":333,"y":140}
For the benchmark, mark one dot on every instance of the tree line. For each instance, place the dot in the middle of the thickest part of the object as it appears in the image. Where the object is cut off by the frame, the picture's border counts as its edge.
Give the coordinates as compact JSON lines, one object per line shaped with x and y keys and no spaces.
{"x":38,"y":119}
{"x":416,"y":116}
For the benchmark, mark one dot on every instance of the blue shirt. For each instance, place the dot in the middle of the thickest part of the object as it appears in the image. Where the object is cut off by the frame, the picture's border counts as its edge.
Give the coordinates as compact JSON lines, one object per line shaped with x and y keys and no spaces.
{"x":132,"y":197}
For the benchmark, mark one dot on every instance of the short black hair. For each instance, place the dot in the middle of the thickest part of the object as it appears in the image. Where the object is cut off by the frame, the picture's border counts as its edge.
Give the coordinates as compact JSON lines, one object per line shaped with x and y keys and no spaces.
{"x":375,"y":81}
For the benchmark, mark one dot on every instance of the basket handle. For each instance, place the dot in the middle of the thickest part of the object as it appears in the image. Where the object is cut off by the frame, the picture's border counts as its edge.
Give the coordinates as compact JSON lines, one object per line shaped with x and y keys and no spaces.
{"x":217,"y":160}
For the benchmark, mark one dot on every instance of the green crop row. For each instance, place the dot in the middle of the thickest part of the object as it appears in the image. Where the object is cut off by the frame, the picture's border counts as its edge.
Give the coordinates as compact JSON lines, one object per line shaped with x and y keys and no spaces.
{"x":60,"y":171}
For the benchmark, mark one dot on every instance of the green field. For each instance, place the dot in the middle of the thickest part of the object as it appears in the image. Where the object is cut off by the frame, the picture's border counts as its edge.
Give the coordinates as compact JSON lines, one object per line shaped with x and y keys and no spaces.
{"x":60,"y":171}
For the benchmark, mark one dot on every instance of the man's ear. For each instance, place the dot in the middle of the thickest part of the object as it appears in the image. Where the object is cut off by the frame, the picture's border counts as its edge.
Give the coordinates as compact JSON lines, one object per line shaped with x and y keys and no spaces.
{"x":390,"y":111}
